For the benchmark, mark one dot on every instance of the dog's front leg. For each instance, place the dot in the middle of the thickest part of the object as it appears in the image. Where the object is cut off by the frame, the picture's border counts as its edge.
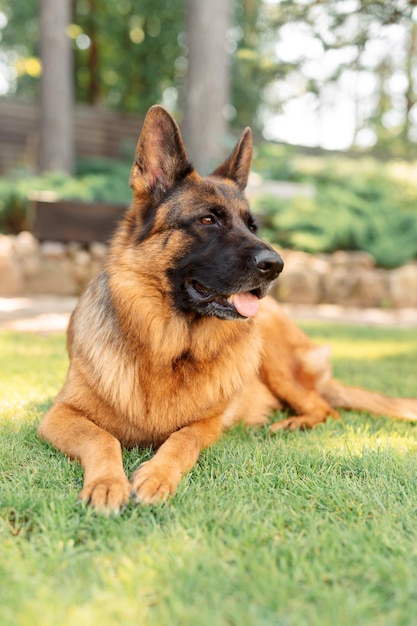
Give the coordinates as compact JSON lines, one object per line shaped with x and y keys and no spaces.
{"x":106,"y":487}
{"x":158,"y":478}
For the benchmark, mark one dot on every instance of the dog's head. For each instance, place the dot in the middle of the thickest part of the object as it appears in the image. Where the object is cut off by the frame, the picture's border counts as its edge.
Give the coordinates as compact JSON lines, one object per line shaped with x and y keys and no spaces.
{"x":198,"y":230}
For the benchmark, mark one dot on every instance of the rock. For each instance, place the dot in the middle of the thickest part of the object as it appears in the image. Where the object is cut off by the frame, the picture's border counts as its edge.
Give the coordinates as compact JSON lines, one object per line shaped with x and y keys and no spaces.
{"x":30,"y":266}
{"x":352,"y":259}
{"x":98,"y":250}
{"x":11,"y":279}
{"x":72,"y":248}
{"x":348,"y":285}
{"x":27,"y":250}
{"x":84,"y":274}
{"x":339,"y":285}
{"x":6,"y":246}
{"x":299,"y":286}
{"x":94,"y":269}
{"x":53,"y":250}
{"x":300,"y":281}
{"x":81,"y":274}
{"x":371,"y":289}
{"x":26,"y":245}
{"x":403,"y":286}
{"x":351,"y":279}
{"x":82,"y":258}
{"x":53,"y":278}
{"x":80,"y":267}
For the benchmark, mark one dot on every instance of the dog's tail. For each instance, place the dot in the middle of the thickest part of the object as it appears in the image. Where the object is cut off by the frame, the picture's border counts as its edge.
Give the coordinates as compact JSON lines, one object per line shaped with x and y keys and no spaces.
{"x":344,"y":397}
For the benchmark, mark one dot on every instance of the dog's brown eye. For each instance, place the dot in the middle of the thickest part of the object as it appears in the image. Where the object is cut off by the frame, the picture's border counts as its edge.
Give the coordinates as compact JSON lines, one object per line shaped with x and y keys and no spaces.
{"x":207,"y":220}
{"x":253,"y":227}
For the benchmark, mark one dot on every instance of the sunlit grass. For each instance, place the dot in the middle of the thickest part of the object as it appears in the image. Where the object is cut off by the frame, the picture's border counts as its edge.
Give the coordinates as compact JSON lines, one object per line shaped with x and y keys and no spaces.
{"x":362,"y":342}
{"x":31,"y":368}
{"x":371,"y":350}
{"x":303,"y":529}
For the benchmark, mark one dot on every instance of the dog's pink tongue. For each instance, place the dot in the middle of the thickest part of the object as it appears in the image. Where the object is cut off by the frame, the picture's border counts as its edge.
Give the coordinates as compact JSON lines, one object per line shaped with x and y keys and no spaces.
{"x":246,"y":304}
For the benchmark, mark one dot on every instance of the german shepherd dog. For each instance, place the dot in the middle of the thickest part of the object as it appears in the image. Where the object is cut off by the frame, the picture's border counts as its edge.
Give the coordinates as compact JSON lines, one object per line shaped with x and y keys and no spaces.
{"x":176,"y":340}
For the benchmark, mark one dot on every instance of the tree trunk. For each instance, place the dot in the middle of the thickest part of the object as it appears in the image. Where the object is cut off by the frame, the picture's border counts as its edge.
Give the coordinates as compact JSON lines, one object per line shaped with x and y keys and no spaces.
{"x":207,"y":86}
{"x":94,"y":87}
{"x":411,"y":50}
{"x":56,"y":149}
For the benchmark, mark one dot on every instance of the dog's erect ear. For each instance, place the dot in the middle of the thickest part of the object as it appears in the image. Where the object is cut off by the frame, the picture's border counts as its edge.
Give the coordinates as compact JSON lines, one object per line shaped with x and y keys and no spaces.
{"x":160,"y":158}
{"x":237,"y":165}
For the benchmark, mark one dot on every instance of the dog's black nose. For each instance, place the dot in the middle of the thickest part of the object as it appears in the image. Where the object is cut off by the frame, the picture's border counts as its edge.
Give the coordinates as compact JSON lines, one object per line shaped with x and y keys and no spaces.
{"x":269,"y":263}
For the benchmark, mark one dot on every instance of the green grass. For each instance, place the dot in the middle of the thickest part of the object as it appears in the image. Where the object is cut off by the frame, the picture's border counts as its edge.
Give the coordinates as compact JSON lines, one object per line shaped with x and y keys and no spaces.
{"x":297,"y":529}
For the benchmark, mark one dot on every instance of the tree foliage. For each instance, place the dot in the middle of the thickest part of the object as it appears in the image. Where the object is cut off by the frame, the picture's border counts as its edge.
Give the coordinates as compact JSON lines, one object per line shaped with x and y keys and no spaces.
{"x":19,"y":36}
{"x":134,"y":52}
{"x":127,"y":53}
{"x":130,"y":54}
{"x":355,"y":204}
{"x":371,"y":43}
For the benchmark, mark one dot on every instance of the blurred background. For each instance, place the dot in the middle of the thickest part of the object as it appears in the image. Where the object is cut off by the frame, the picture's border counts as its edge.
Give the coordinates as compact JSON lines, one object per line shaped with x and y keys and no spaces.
{"x":328,"y":87}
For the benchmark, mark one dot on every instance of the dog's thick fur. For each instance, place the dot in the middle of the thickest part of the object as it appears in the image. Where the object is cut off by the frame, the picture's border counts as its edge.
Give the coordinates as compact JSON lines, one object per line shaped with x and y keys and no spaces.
{"x":167,"y":347}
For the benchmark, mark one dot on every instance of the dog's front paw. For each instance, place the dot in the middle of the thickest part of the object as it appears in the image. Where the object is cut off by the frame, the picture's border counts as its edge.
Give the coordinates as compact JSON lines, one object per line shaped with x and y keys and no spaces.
{"x":152,"y":483}
{"x":106,"y":495}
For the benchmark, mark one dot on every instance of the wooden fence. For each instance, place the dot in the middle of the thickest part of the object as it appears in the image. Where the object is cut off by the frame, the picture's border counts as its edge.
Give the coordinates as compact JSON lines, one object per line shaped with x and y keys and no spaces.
{"x":98,"y":132}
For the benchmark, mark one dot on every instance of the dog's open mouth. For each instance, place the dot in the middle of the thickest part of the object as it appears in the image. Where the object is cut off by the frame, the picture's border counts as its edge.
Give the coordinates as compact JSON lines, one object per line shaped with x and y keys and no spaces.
{"x":245,"y":303}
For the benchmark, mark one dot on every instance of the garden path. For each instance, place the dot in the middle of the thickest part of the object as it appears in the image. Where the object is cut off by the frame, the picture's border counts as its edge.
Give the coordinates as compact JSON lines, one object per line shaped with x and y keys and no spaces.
{"x":49,"y":314}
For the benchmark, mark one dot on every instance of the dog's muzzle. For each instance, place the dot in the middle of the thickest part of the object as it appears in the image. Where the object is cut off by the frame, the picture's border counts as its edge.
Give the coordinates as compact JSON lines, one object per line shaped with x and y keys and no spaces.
{"x":240,"y":301}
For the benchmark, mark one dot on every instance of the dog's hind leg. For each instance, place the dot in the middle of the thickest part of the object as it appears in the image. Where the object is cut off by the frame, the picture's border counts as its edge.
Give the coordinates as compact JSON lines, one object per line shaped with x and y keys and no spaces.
{"x":158,"y":478}
{"x":295,"y":378}
{"x":312,"y":409}
{"x":343,"y":396}
{"x":106,"y":487}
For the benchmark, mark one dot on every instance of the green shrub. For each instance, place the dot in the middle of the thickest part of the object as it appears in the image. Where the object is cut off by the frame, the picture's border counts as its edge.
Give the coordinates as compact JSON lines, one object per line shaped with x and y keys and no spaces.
{"x":13,"y":208}
{"x":96,"y":180}
{"x":360,"y":204}
{"x":339,"y":219}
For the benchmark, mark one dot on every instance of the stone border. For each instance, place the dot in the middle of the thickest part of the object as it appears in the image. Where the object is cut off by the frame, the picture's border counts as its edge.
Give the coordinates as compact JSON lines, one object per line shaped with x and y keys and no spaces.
{"x":50,"y":314}
{"x":349,"y":279}
{"x":28,"y":267}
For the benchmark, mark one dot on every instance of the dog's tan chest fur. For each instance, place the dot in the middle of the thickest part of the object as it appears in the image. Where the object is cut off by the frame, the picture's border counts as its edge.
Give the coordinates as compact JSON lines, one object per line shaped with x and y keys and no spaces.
{"x":128,"y":403}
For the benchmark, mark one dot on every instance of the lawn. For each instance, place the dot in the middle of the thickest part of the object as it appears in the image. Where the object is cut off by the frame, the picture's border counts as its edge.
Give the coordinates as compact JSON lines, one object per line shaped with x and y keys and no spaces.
{"x":316,"y":528}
